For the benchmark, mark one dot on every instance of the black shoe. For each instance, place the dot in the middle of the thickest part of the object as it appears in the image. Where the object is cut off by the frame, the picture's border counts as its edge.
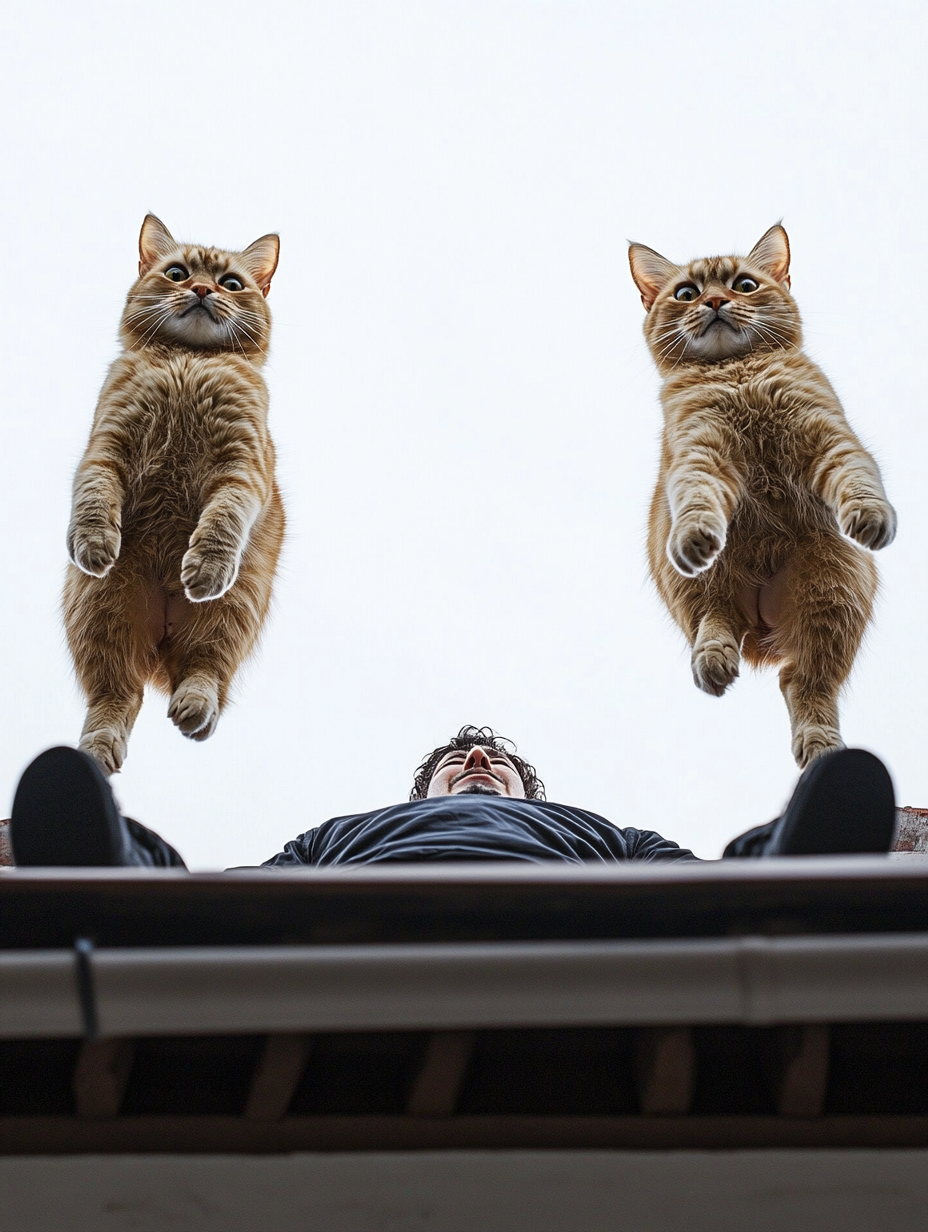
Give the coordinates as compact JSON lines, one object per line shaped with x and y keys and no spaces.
{"x":64,"y":814}
{"x":843,"y":804}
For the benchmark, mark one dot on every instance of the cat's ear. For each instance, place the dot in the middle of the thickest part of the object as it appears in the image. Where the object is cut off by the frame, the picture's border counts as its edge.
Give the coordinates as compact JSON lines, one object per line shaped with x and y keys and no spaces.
{"x":771,"y":254}
{"x":650,"y":271}
{"x":155,"y":243}
{"x":260,"y":259}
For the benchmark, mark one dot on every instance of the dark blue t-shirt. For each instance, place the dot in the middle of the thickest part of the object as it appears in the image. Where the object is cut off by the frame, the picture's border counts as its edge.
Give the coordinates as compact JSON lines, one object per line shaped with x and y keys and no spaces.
{"x":475,"y":828}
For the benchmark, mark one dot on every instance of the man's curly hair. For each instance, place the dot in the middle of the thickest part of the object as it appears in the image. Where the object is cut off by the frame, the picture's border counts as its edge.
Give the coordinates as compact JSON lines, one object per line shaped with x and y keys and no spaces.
{"x":468,"y":738}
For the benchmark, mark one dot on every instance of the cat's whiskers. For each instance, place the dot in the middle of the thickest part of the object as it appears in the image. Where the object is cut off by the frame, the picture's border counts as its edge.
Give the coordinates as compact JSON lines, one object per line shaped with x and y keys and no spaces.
{"x":235,"y":342}
{"x":145,"y":314}
{"x":671,"y":329}
{"x":677,"y":330}
{"x":234,"y":332}
{"x":234,"y":328}
{"x":677,"y":334}
{"x":770,"y":333}
{"x":666,"y":351}
{"x":139,"y":320}
{"x":254,"y":317}
{"x":255,"y":322}
{"x":168,"y":306}
{"x":239,"y":325}
{"x":244,"y":328}
{"x":150,"y":333}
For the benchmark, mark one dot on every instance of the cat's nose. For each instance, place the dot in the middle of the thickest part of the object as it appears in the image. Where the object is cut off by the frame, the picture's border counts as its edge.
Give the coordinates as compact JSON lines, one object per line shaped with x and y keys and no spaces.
{"x":200,"y":290}
{"x":716,"y":301}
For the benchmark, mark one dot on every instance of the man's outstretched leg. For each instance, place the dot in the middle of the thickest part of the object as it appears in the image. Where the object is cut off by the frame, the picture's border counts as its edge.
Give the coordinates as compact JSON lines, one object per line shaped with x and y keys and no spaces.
{"x":65,"y":816}
{"x":843,"y":804}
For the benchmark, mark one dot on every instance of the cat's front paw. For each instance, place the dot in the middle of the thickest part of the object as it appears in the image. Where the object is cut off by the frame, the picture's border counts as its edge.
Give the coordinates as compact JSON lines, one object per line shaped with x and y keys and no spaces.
{"x":694,"y":545}
{"x":207,"y":573}
{"x":871,"y":522}
{"x":94,"y":546}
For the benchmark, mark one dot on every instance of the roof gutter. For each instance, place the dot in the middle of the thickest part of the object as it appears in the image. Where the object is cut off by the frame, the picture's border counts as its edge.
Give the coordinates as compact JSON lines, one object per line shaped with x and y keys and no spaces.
{"x":750,"y":980}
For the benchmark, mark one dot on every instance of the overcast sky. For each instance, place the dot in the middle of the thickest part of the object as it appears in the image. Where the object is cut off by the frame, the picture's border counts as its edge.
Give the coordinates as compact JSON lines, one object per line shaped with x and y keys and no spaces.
{"x":465,"y":412}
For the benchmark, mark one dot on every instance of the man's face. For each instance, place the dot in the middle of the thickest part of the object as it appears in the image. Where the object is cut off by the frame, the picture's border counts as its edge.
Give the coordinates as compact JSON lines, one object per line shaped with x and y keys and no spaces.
{"x":476,"y":772}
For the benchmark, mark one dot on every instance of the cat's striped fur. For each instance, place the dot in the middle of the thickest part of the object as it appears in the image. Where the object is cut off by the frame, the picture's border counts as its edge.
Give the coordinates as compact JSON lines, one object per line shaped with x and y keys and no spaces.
{"x":177,"y":520}
{"x":766,"y":502}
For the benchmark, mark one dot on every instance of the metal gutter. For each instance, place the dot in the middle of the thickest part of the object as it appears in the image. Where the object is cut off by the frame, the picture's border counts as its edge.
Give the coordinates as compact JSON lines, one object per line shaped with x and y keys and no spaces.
{"x":750,"y":980}
{"x":882,"y":868}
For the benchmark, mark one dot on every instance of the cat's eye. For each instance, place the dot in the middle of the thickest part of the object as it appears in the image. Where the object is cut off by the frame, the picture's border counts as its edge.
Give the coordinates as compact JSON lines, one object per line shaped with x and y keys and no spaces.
{"x":687,"y":293}
{"x":231,"y":283}
{"x":745,"y":285}
{"x":176,"y":273}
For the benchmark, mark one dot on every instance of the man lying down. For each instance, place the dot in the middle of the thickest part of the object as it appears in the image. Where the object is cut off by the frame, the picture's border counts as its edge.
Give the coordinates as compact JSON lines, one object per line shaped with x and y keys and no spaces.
{"x":473,"y":798}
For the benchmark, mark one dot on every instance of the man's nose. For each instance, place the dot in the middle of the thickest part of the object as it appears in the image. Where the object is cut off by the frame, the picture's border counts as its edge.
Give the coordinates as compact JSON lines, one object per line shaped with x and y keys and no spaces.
{"x":477,"y":757}
{"x":716,"y":301}
{"x":200,"y":289}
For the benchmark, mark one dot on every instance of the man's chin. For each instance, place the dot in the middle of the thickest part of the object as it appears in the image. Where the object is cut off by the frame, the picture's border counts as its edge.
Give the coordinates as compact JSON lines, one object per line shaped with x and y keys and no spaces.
{"x":479,"y":789}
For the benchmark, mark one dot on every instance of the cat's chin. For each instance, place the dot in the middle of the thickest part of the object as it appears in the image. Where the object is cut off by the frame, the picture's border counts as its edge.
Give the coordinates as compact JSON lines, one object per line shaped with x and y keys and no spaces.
{"x":197,"y":329}
{"x":719,"y":342}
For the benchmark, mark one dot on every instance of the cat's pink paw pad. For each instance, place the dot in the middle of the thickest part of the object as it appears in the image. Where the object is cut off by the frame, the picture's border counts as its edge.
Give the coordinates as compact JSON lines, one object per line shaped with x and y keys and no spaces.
{"x":716,"y":665}
{"x":872,"y":524}
{"x":207,"y":574}
{"x":694,"y":546}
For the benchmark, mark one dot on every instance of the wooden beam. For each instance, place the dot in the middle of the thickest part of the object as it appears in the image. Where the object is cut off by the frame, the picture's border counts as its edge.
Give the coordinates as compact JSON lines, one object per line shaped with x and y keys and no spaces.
{"x":100,"y":1076}
{"x":798,"y":1059}
{"x":276,"y":1076}
{"x":438,"y":1084}
{"x":236,"y":1135}
{"x":665,"y":1070}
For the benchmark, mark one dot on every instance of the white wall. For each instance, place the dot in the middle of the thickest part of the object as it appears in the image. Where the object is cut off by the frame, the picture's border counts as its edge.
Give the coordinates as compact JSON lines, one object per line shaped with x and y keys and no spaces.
{"x":465,"y":411}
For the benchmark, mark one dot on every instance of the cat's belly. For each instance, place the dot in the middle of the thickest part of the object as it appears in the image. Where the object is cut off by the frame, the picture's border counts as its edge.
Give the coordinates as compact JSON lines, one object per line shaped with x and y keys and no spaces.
{"x":763,"y":604}
{"x":167,"y":612}
{"x":775,"y":509}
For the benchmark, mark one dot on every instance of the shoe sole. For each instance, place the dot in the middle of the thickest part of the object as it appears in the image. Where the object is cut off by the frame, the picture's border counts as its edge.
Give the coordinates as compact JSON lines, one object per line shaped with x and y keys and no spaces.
{"x":848,"y":807}
{"x":64,"y":815}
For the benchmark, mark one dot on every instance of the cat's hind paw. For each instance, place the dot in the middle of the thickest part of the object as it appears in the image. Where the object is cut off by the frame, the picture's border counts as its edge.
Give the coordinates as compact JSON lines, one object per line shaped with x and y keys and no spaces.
{"x":812,"y":742}
{"x":107,"y":747}
{"x":716,"y":665}
{"x":194,"y":707}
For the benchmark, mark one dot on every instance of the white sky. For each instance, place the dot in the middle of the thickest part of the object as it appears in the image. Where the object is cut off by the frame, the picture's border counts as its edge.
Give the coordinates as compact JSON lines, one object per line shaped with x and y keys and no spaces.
{"x":465,"y":412}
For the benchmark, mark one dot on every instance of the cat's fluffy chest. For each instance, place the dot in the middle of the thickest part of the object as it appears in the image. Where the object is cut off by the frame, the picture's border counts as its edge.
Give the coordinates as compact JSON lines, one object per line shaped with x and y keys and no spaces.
{"x":767,"y":409}
{"x":178,"y":411}
{"x":170,"y":390}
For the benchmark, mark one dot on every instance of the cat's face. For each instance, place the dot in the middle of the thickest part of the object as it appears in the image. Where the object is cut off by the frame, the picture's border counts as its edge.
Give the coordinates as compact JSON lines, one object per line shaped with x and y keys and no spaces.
{"x":717,"y":308}
{"x":200,"y":297}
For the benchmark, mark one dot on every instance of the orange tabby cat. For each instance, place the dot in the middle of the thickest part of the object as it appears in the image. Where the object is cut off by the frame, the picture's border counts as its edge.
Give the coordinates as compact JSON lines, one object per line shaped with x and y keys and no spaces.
{"x":765,"y":497}
{"x":177,"y":521}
